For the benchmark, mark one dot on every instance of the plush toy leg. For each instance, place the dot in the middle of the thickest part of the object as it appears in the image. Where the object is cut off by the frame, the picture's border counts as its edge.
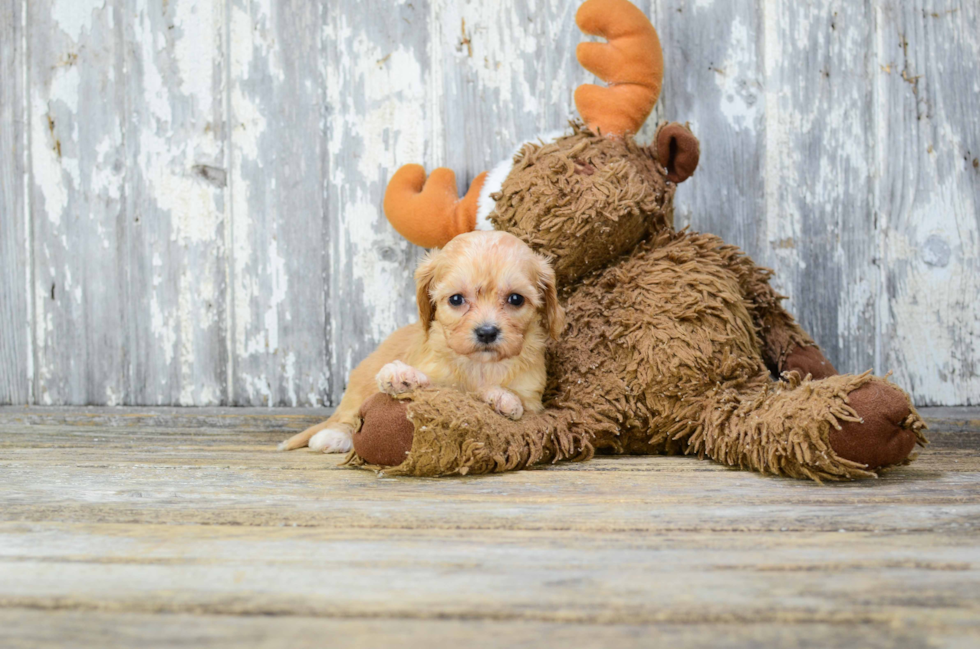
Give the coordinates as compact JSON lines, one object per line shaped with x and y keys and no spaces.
{"x":445,"y":432}
{"x":840,"y":427}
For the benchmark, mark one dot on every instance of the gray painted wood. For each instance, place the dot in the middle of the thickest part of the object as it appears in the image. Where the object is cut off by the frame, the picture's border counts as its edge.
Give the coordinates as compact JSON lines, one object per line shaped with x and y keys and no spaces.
{"x":127,"y":201}
{"x":15,"y":301}
{"x":380,"y":96}
{"x":202,"y":223}
{"x":77,"y":101}
{"x":279,"y":230}
{"x":507,"y":72}
{"x":714,"y":79}
{"x":175,"y":193}
{"x":928,"y":197}
{"x":819,"y":123}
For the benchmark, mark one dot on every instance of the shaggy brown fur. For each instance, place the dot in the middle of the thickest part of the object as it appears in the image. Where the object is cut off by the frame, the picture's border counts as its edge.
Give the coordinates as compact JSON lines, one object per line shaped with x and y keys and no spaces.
{"x":583,"y":200}
{"x":671,"y":340}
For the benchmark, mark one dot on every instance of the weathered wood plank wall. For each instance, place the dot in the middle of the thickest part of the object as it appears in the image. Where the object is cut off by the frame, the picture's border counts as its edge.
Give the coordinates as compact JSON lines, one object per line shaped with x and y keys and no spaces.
{"x":191,"y":190}
{"x":15,"y":321}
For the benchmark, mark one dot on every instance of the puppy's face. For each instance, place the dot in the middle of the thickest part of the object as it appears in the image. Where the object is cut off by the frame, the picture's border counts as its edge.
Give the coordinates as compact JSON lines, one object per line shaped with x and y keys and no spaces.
{"x":488,"y":291}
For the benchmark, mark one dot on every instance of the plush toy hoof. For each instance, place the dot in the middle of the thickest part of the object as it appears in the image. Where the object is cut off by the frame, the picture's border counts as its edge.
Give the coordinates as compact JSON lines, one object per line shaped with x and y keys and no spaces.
{"x":881,"y":439}
{"x":809,"y":360}
{"x":386,"y":434}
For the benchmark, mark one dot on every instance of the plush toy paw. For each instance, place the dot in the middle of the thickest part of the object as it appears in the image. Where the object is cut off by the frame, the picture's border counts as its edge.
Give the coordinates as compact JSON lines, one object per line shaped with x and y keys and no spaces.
{"x":331,"y":440}
{"x":504,"y":402}
{"x":386,"y":434}
{"x":398,"y":378}
{"x":809,"y":360}
{"x":887,"y":434}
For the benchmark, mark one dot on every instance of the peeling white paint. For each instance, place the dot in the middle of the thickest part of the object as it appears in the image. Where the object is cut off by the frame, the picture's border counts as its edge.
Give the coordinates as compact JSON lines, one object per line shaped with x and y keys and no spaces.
{"x":394,"y":99}
{"x":194,"y":50}
{"x":111,"y":397}
{"x":156,"y":94}
{"x":380,"y":279}
{"x":289,"y":374}
{"x":440,"y":100}
{"x":738,"y":79}
{"x":75,"y":16}
{"x":106,"y":178}
{"x":931,"y":317}
{"x":162,"y":327}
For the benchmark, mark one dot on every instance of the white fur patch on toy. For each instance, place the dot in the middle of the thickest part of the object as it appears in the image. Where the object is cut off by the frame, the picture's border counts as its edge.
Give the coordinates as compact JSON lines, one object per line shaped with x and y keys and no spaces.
{"x":495,"y":179}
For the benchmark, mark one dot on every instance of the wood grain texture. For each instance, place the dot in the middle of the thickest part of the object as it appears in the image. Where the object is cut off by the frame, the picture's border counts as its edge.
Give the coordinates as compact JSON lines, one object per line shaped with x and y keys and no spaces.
{"x":507,"y":72}
{"x":127,"y":198}
{"x":32,"y":629}
{"x":928,"y":197}
{"x":188,"y":526}
{"x":381,"y":114}
{"x":820,"y":227}
{"x":78,"y":201}
{"x":280,"y":339}
{"x":206,"y":177}
{"x":714,"y":79}
{"x":175,"y":185}
{"x":16,"y":361}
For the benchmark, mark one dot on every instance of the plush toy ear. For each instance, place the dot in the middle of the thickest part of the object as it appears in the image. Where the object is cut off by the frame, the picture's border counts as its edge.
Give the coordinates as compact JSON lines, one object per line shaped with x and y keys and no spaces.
{"x":429,"y":212}
{"x":554,"y":315}
{"x":678,"y":151}
{"x":424,"y":275}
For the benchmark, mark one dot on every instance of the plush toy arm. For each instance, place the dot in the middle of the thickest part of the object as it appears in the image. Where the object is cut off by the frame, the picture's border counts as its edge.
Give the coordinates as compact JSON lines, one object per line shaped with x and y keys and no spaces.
{"x":445,"y":432}
{"x":785,"y":346}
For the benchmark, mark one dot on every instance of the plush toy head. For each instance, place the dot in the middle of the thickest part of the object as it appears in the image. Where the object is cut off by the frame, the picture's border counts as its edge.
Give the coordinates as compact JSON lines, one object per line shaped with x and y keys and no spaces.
{"x":584,"y":198}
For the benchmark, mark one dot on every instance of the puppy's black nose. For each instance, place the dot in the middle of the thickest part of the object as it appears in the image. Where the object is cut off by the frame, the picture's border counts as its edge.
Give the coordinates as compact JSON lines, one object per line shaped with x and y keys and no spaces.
{"x":486,"y":334}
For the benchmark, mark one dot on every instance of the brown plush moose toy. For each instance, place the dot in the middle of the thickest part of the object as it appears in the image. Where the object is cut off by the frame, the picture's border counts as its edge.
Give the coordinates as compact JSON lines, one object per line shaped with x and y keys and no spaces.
{"x":674,"y":339}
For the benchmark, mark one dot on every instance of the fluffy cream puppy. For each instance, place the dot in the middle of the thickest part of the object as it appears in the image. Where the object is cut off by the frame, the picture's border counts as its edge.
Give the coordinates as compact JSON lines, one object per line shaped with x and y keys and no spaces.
{"x":487,"y":306}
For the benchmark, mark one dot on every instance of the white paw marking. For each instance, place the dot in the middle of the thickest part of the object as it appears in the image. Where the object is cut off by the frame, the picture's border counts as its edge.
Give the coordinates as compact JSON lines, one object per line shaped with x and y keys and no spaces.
{"x":398,"y":378}
{"x":504,"y":402}
{"x":331,"y":440}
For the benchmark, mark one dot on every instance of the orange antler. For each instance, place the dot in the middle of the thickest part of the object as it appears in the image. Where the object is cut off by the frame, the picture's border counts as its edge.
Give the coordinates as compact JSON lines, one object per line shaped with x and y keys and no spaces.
{"x":631,"y":61}
{"x":429,"y":212}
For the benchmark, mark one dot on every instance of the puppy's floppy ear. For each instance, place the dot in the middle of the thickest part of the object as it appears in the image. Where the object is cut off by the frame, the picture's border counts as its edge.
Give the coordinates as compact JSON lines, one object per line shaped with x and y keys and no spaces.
{"x":554,"y":315}
{"x":424,"y":275}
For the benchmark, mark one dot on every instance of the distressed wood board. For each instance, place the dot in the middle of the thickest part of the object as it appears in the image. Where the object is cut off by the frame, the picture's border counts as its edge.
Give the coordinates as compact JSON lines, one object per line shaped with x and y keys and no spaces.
{"x":185,"y":527}
{"x":16,"y":354}
{"x":191,"y":189}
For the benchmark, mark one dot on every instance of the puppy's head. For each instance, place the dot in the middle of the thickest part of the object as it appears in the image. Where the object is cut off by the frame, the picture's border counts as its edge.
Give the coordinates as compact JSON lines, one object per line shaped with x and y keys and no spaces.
{"x":488,"y":291}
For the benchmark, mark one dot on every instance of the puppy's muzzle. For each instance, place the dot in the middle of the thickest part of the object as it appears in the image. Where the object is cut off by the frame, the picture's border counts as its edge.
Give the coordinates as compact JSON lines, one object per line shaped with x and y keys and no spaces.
{"x":487,"y":334}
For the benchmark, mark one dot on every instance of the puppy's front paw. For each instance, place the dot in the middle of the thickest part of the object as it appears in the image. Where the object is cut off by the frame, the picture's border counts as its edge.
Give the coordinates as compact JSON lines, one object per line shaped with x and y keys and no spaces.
{"x":398,"y":378}
{"x":330,"y":440}
{"x":504,"y":402}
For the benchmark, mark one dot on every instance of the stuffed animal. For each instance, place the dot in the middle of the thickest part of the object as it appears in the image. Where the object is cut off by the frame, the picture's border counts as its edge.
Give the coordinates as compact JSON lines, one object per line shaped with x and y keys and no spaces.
{"x":675,"y":343}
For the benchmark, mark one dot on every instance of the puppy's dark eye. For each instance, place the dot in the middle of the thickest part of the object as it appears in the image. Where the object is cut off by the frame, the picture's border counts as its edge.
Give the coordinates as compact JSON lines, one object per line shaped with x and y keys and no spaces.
{"x":456,"y":300}
{"x":515,"y":300}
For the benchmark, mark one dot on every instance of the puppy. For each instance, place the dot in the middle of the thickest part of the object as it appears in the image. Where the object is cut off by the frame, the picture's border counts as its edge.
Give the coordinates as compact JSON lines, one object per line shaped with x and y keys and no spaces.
{"x":487,"y":305}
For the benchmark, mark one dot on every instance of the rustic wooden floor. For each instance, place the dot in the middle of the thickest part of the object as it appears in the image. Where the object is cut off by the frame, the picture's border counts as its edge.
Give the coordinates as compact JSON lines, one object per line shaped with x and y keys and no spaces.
{"x":184,"y":528}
